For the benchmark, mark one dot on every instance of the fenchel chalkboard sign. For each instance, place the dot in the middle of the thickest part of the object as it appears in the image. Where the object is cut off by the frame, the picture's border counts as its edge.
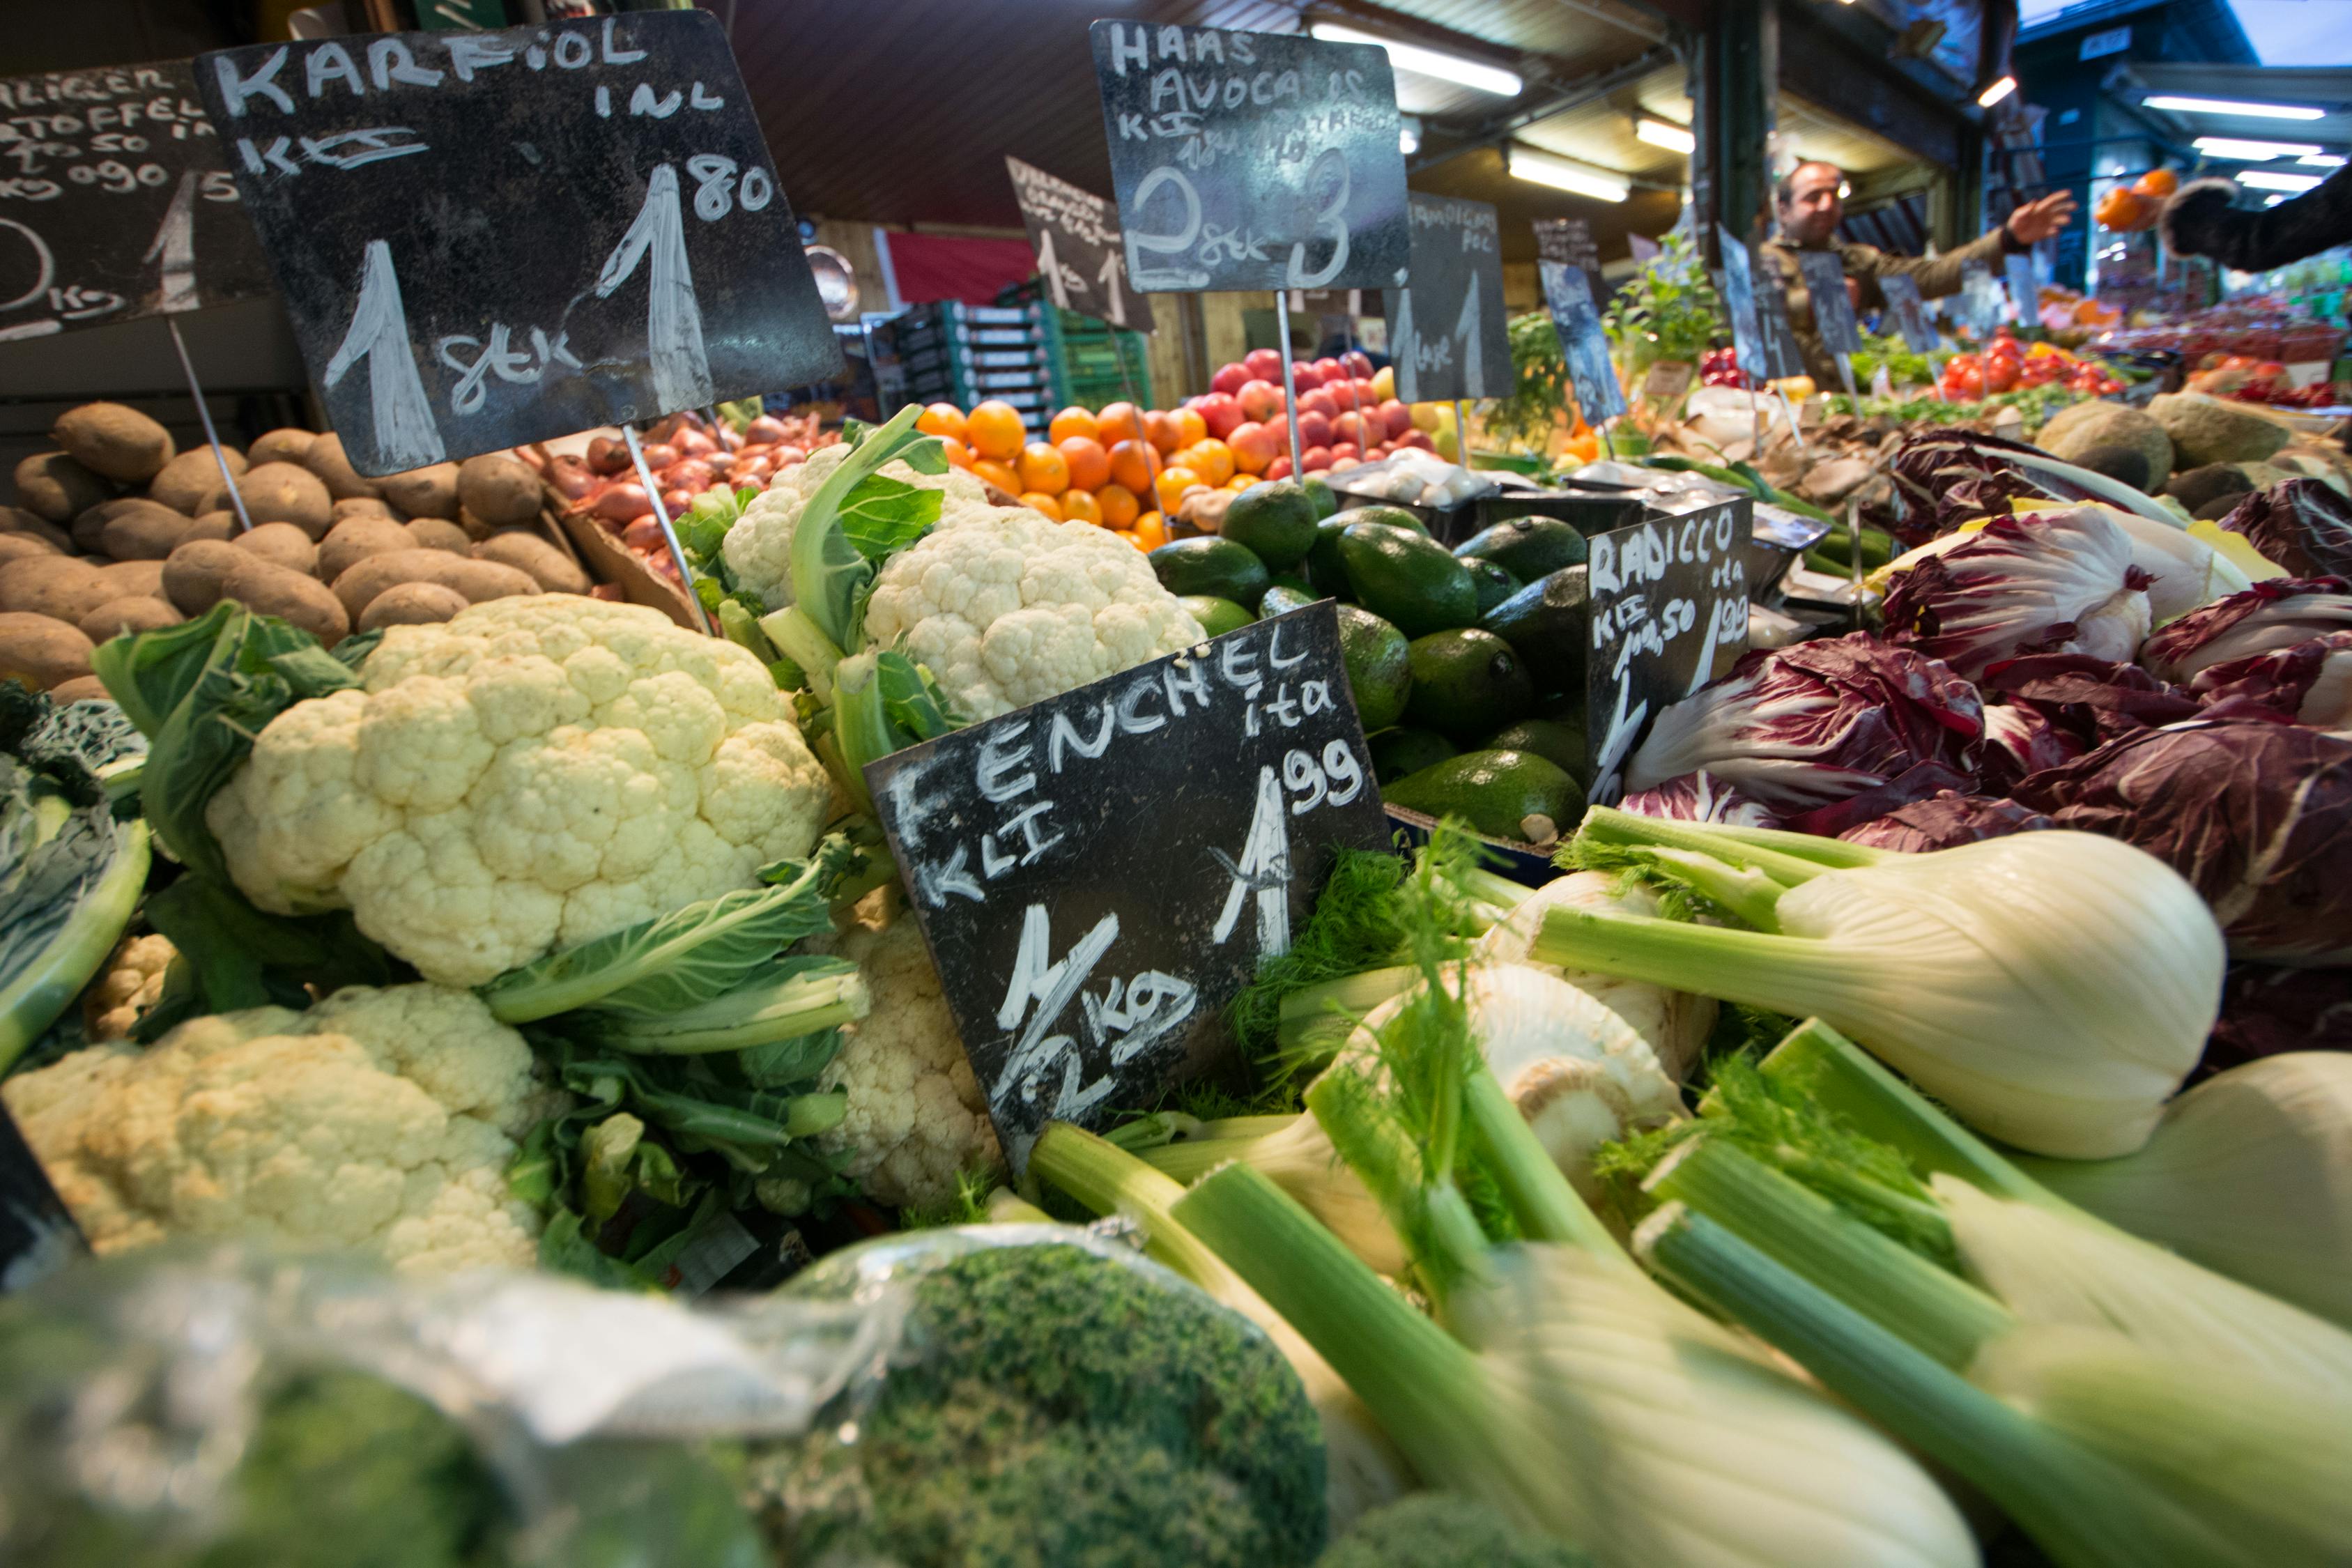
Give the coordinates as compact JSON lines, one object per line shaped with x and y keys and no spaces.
{"x":1080,"y":259}
{"x":488,"y":238}
{"x":1253,"y":161}
{"x":115,"y":202}
{"x":1098,"y":875}
{"x":1448,"y":333}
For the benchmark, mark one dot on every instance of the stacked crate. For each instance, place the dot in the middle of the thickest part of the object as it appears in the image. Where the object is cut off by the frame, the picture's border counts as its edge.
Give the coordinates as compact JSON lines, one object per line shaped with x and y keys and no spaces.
{"x":949,"y":352}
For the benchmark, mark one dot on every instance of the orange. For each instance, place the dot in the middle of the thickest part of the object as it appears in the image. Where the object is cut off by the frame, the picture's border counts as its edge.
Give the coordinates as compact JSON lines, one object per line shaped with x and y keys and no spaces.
{"x":1119,"y":422}
{"x":994,"y":430}
{"x":1080,"y":506}
{"x":1132,"y":464}
{"x":1042,"y":469}
{"x":1071,"y":422}
{"x":1119,"y":507}
{"x":1090,"y":465}
{"x":1159,"y":429}
{"x":1171,"y":485}
{"x":2155,"y":183}
{"x":1212,"y":460}
{"x":1242,"y":481}
{"x":942,"y":419}
{"x":1189,"y":427}
{"x":957,"y":452}
{"x":1150,"y":530}
{"x":1043,"y":503}
{"x":1000,"y":475}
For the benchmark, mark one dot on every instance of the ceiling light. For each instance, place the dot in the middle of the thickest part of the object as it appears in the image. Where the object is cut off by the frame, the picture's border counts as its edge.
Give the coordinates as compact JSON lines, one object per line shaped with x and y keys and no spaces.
{"x":1565,"y":175}
{"x":2320,"y":160}
{"x":2264,"y":180}
{"x":2252,"y":152}
{"x":1658,"y":134}
{"x":2000,"y":89}
{"x":2272,"y":201}
{"x":1845,"y":190}
{"x":1428,"y":62}
{"x":2229,"y":106}
{"x":1408,"y":135}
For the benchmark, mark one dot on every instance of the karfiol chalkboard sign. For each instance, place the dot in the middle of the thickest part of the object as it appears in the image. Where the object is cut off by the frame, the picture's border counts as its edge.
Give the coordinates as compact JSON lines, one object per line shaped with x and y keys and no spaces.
{"x":1669,"y":613}
{"x":115,"y":202}
{"x":37,"y":1237}
{"x":1080,"y":259}
{"x":1582,"y":343}
{"x":1098,"y":874}
{"x":488,"y":239}
{"x":1252,"y":161}
{"x":1910,"y":312}
{"x":1448,"y":334}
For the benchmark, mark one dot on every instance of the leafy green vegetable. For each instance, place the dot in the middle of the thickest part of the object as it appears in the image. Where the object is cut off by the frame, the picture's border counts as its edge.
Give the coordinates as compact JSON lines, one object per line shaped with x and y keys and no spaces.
{"x":1540,"y":388}
{"x":234,"y":955}
{"x":1669,"y":309}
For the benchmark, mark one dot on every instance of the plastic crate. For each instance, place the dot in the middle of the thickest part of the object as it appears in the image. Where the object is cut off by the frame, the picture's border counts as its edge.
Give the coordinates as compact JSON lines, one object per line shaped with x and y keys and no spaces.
{"x":1093,"y":363}
{"x":950,"y":352}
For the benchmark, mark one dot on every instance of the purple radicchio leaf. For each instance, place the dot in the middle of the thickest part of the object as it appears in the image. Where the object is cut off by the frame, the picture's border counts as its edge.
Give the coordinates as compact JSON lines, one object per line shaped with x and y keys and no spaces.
{"x":2059,"y":582}
{"x":2277,"y":612}
{"x":2267,"y":1011}
{"x":1944,"y":820}
{"x":1699,"y":797}
{"x":2304,"y":525}
{"x":2310,"y":683}
{"x":2091,"y":699}
{"x":1944,"y":478}
{"x":1921,"y":781}
{"x":2019,"y":741}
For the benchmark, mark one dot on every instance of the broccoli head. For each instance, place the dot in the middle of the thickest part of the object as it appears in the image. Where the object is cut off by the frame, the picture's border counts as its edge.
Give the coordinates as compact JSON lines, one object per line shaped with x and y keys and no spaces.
{"x":1055,"y":1408}
{"x":1445,"y":1530}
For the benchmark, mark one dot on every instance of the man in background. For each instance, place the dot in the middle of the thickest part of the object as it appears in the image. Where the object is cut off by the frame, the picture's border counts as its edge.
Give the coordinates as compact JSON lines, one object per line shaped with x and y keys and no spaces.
{"x":1810,"y":211}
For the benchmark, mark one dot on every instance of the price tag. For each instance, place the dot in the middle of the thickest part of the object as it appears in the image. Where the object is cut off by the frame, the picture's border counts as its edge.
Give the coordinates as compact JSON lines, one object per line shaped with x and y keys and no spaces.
{"x":1252,"y":161}
{"x":1902,"y":291}
{"x":2025,"y":297}
{"x":1669,"y":613}
{"x":489,"y":239}
{"x":37,"y":1237}
{"x":115,"y":203}
{"x":1447,"y":332}
{"x":1098,"y":874}
{"x":1582,"y":343}
{"x":1075,"y":235}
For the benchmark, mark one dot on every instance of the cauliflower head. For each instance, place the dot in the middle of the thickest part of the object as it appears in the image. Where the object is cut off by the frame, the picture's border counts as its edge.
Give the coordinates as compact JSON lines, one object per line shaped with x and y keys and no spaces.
{"x":131,"y":983}
{"x":377,"y":1119}
{"x":914,"y":1116}
{"x":1008,"y":607}
{"x":759,"y":547}
{"x":534,"y":772}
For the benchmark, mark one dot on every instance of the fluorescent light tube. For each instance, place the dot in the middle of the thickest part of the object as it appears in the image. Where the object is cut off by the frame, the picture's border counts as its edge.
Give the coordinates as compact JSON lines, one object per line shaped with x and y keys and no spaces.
{"x":1659,"y":133}
{"x":1995,"y":92}
{"x":2264,"y":180}
{"x":1564,"y":174}
{"x":1429,"y":62}
{"x":2229,"y":106}
{"x":2252,"y":151}
{"x":1408,"y":135}
{"x":2320,"y":160}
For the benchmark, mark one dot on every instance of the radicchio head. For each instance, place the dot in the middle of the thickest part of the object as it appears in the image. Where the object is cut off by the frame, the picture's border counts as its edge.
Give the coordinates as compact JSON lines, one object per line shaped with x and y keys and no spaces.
{"x":2278,"y":613}
{"x":1945,"y":821}
{"x":2310,"y":683}
{"x":2304,"y":525}
{"x":2057,"y":582}
{"x":1699,"y":797}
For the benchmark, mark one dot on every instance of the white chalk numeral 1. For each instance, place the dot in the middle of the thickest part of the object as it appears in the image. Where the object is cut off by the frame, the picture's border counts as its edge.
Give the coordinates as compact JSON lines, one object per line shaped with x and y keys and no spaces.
{"x":681,"y":367}
{"x":1264,"y":870}
{"x":1402,"y":349}
{"x":400,"y":417}
{"x":1050,"y":266}
{"x":175,"y":246}
{"x":1465,"y":327}
{"x":1108,"y":279}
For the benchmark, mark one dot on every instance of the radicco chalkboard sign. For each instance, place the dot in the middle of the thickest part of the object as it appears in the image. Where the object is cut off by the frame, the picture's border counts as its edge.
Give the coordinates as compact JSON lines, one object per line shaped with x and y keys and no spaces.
{"x":1446,"y":329}
{"x":115,"y":203}
{"x":1075,"y":235}
{"x":488,"y":239}
{"x":1252,"y":161}
{"x":1098,"y":875}
{"x":1669,"y":613}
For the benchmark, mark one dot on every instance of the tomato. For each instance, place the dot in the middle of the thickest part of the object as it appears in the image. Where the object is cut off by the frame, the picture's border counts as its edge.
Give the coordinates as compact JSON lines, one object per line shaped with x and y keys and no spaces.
{"x":2000,"y":375}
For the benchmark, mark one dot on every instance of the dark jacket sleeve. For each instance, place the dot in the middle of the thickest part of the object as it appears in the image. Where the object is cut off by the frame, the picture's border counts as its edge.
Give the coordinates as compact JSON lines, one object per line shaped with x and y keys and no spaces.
{"x":2203,"y":219}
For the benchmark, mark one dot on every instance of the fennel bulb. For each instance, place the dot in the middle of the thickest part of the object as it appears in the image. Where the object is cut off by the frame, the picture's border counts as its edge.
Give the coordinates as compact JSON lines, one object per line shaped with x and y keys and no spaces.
{"x":2249,"y":1173}
{"x":1675,"y":1023}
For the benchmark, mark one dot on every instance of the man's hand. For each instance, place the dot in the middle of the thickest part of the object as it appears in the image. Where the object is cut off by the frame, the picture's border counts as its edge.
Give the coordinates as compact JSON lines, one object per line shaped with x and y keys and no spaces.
{"x":1853,"y":292}
{"x":2037,"y":221}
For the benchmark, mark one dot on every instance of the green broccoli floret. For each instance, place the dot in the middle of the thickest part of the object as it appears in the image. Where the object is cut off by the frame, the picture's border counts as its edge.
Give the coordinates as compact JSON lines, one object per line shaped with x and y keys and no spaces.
{"x":1053,"y":1408}
{"x":1445,"y":1530}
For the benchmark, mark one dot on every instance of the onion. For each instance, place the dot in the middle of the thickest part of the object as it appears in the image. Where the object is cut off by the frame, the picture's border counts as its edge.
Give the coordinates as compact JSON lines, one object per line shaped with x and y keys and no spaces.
{"x":753,"y":471}
{"x":766,"y":429}
{"x":659,"y":454}
{"x":572,"y":478}
{"x":691,"y":475}
{"x":675,"y":502}
{"x":623,"y":503}
{"x":694,"y":443}
{"x":788,"y":456}
{"x":644,"y":533}
{"x":607,"y":456}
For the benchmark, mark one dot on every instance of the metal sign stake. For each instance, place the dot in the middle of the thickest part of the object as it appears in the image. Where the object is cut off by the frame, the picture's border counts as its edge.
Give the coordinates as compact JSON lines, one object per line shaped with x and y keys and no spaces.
{"x":1289,"y":378}
{"x":669,"y":534}
{"x":205,"y":417}
{"x":1461,"y":432}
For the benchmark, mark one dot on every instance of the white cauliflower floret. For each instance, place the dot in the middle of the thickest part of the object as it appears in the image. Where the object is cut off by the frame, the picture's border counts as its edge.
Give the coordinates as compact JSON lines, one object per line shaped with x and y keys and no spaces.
{"x":379,"y":1119}
{"x":532,"y":774}
{"x":131,"y":983}
{"x":759,"y":547}
{"x":914,"y":1116}
{"x":1007,"y":608}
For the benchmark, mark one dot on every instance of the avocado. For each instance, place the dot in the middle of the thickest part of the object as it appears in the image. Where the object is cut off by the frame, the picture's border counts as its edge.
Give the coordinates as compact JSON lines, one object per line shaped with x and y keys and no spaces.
{"x":1275,"y":522}
{"x":1467,"y":683}
{"x":1405,"y":749}
{"x":1494,"y":584}
{"x":1217,"y":616}
{"x":1319,"y":490}
{"x":1560,"y":744}
{"x":1548,"y":622}
{"x":1379,"y":666}
{"x":1323,"y":568}
{"x":1212,"y":565}
{"x":1394,"y":516}
{"x":1406,"y":579}
{"x":1284,"y":595}
{"x":1503,"y":795}
{"x":1527,"y":547}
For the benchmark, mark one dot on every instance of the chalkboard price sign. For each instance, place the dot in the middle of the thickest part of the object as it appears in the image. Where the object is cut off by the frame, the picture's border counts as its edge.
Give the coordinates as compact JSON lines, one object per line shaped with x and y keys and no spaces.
{"x":1669,"y":613}
{"x":1824,"y":276}
{"x":1777,"y":338}
{"x":1075,"y":235}
{"x":1447,"y":333}
{"x":115,"y":202}
{"x":1981,"y":300}
{"x":1098,"y":874}
{"x":1568,"y":296}
{"x":1252,"y":161}
{"x":1902,"y":291}
{"x":2025,"y":297}
{"x":37,"y":1237}
{"x":488,"y":239}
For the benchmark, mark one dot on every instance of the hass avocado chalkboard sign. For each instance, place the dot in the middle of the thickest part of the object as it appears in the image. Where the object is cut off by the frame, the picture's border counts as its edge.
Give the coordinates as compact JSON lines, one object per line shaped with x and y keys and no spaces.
{"x":1098,"y":874}
{"x":488,"y":239}
{"x":1447,"y":331}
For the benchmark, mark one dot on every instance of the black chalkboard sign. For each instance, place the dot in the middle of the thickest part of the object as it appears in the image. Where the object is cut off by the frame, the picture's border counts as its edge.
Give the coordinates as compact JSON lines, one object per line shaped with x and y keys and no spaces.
{"x":1447,"y":329}
{"x":1582,"y":343}
{"x":1098,"y":875}
{"x":1910,"y":313}
{"x":1832,"y":308}
{"x":1075,"y":235}
{"x":115,"y":202}
{"x":2025,"y":297}
{"x":1669,"y":613}
{"x":37,"y":1237}
{"x":1252,"y":161}
{"x":1775,"y":336}
{"x":488,"y":239}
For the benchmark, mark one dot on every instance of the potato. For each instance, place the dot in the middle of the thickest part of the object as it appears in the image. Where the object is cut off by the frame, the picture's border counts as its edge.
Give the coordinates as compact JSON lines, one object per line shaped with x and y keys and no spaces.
{"x":88,"y":529}
{"x":14,"y":545}
{"x":438,"y":533}
{"x":192,"y":577}
{"x":354,"y":540}
{"x":114,"y":441}
{"x":411,"y":604}
{"x":16,"y":522}
{"x":285,"y":445}
{"x":553,"y":571}
{"x":143,"y":530}
{"x":212,"y":525}
{"x":361,"y":506}
{"x":58,"y":587}
{"x":80,"y":689}
{"x":286,"y":492}
{"x":500,"y":490}
{"x":430,"y":492}
{"x":326,"y":460}
{"x":134,"y":579}
{"x":189,"y":479}
{"x":39,"y":652}
{"x":284,"y":543}
{"x":132,"y":613}
{"x":269,"y":589}
{"x":53,"y":485}
{"x":478,"y":580}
